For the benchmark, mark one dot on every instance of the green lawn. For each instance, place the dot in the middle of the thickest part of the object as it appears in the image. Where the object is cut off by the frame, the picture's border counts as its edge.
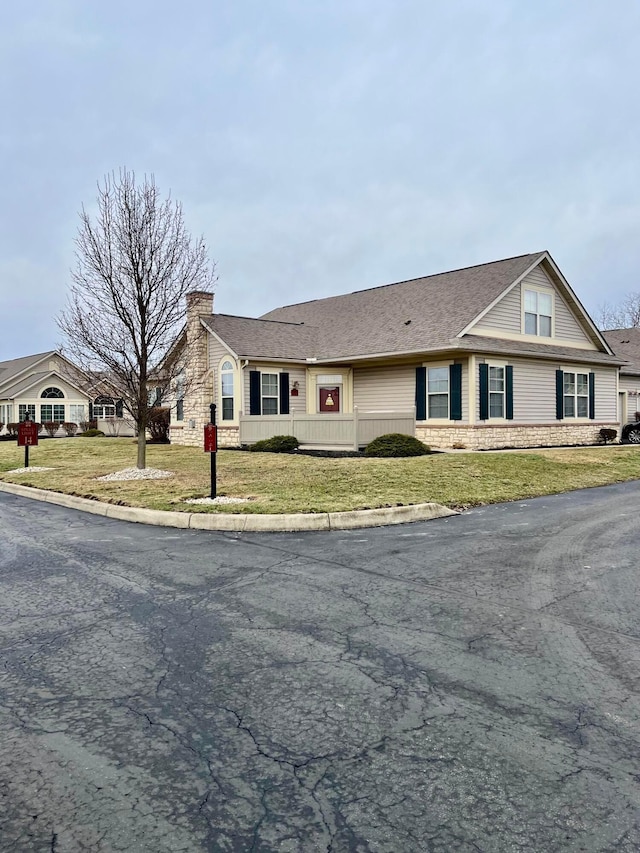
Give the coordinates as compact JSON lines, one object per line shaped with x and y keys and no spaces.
{"x":292,"y":483}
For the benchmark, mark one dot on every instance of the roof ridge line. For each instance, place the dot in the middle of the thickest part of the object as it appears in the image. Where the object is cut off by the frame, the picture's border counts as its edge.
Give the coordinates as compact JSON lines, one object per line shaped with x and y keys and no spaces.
{"x":408,"y":280}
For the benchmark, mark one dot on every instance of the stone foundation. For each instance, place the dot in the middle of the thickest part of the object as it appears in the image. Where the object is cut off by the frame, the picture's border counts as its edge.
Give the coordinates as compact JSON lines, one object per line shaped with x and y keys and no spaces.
{"x":481,"y":437}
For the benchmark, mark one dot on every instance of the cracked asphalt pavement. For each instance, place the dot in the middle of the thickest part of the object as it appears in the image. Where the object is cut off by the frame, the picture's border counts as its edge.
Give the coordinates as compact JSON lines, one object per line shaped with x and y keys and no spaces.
{"x":468,"y":683}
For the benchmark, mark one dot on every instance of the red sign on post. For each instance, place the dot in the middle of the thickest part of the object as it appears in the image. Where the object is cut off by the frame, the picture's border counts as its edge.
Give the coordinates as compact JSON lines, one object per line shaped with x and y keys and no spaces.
{"x":210,"y":438}
{"x":27,"y":434}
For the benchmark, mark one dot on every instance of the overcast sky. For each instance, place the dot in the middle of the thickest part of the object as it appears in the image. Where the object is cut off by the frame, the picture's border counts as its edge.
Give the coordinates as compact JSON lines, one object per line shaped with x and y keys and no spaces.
{"x":323,"y":146}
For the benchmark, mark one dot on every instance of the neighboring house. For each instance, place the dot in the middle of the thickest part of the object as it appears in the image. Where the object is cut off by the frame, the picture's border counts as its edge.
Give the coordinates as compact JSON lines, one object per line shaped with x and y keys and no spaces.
{"x":497,"y":355}
{"x":45,"y":385}
{"x":626,"y":344}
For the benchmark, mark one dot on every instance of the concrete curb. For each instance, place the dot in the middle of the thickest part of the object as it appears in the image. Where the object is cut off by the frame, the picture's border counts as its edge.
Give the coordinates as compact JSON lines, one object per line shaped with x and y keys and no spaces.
{"x":283,"y":523}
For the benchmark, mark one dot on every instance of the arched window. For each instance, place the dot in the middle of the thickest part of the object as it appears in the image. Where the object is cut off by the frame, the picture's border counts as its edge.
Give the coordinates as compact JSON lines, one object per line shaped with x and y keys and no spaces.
{"x":226,"y":390}
{"x":52,"y":393}
{"x":104,"y":407}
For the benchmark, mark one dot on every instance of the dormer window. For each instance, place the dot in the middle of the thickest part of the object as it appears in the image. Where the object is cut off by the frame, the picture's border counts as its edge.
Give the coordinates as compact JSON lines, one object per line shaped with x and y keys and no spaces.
{"x":538,"y":313}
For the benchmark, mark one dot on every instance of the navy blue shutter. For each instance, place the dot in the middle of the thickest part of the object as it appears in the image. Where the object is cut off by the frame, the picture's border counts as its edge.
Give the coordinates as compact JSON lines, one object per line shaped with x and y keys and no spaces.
{"x":559,"y":394}
{"x":455,"y":392}
{"x":592,"y":396}
{"x":119,"y":409}
{"x":90,"y":410}
{"x":484,"y":392}
{"x":284,"y":393}
{"x":508,"y":392}
{"x":421,"y":393}
{"x":255,"y":407}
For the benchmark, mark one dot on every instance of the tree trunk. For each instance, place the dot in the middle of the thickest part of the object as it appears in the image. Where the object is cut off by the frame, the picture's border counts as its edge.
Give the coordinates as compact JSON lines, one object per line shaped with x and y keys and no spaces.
{"x":142,"y":448}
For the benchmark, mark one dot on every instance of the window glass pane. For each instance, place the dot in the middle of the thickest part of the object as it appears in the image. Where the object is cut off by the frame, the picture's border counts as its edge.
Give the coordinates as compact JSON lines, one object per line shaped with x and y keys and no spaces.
{"x":269,"y":406}
{"x":438,"y":405}
{"x":227,"y":366}
{"x":531,"y":301}
{"x":58,"y":413}
{"x":438,"y":380}
{"x":583,"y":407}
{"x":582,"y":383}
{"x":530,"y":324}
{"x":270,"y":384}
{"x":569,"y":407}
{"x":227,"y":384}
{"x":545,"y":326}
{"x":496,"y":405}
{"x":496,"y":378}
{"x":569,"y":383}
{"x":46,"y":413}
{"x":227,"y":409}
{"x":544,"y":304}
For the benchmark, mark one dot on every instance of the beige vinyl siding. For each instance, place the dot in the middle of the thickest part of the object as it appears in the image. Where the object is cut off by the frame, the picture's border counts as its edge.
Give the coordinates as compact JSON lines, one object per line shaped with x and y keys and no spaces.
{"x":534,"y":390}
{"x":377,"y":389}
{"x":216,"y":354}
{"x":296,"y":374}
{"x":506,"y":316}
{"x":389,"y":388}
{"x":606,"y":394}
{"x":631,"y":385}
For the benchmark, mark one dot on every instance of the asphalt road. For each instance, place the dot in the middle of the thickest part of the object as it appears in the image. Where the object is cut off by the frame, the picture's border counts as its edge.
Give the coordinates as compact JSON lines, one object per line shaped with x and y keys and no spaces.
{"x":469,"y":683}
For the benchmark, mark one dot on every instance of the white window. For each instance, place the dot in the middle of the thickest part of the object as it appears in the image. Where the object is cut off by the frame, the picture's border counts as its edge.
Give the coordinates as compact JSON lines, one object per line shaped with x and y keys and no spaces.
{"x":576,"y":395}
{"x":49,"y":412}
{"x":496,"y":392}
{"x":76,"y":413}
{"x":226,"y":391}
{"x":269,"y":393}
{"x":24,"y":408}
{"x":104,"y":410}
{"x":538,"y":313}
{"x":438,"y":392}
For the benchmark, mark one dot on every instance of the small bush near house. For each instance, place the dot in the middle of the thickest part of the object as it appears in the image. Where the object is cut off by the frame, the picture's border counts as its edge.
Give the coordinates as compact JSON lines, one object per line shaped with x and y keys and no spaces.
{"x":276,"y":444}
{"x":13,"y":429}
{"x":396,"y":444}
{"x":607,"y":435}
{"x":158,"y":425}
{"x":70,"y":428}
{"x":92,"y":433}
{"x":51,"y":427}
{"x":85,"y":425}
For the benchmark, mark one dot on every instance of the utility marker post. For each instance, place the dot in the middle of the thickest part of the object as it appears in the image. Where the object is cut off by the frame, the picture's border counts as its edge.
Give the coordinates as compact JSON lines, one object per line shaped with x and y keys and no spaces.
{"x":211,"y":445}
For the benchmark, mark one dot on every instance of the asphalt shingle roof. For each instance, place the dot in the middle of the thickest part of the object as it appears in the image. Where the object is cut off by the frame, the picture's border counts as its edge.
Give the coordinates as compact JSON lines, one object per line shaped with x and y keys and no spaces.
{"x":252,"y":338}
{"x":626,"y":344}
{"x":409,"y":316}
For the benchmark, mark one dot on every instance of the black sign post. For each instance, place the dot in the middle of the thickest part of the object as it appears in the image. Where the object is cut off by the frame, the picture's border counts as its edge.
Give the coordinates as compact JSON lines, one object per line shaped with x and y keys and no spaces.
{"x":211,"y":446}
{"x":27,"y":435}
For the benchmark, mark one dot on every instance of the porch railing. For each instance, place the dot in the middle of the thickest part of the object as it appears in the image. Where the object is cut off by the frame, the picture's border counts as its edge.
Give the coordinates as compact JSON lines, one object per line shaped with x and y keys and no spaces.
{"x":351,"y":431}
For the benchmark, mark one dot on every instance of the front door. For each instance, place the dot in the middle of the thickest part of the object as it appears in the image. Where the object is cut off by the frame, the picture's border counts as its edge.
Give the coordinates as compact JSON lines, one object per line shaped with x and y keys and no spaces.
{"x":330,"y":399}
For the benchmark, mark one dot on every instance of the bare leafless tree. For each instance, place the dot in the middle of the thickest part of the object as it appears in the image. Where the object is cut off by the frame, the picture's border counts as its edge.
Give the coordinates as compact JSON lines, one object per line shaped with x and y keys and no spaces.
{"x":625,"y":315}
{"x":136,"y":262}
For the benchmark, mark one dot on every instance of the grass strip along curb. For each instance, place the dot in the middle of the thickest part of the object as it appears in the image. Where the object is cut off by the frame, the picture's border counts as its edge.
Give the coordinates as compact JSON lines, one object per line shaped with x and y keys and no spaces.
{"x":284,"y":522}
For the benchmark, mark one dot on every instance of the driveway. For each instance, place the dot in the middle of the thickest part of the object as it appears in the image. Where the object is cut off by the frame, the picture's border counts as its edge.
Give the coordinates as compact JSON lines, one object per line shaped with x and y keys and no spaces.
{"x":469,"y":683}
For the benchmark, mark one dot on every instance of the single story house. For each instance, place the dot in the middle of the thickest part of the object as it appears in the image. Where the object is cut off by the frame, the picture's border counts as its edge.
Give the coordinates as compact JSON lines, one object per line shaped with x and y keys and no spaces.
{"x":46,"y":386}
{"x":501,"y":354}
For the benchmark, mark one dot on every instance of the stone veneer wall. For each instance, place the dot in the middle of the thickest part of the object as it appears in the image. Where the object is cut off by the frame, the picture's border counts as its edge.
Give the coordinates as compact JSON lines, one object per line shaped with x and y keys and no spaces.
{"x":480,"y":437}
{"x":198,"y":385}
{"x":228,"y":436}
